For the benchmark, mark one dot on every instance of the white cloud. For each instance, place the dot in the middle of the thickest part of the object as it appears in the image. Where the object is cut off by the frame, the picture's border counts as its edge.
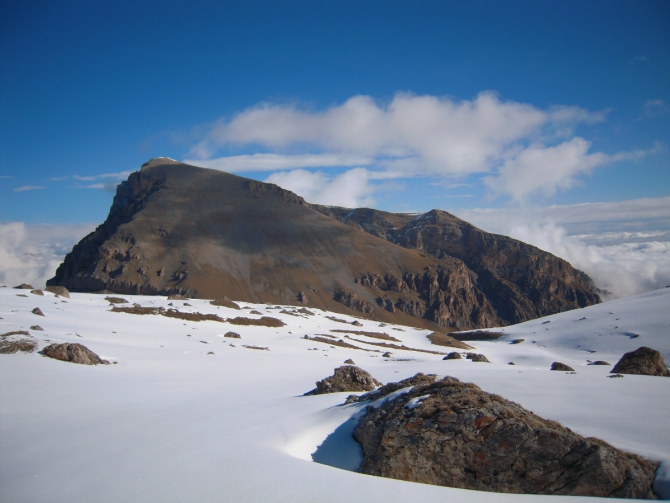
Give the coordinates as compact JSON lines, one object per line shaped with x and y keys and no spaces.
{"x":544,"y":170}
{"x":275,"y":162}
{"x":524,"y":150}
{"x":25,"y":188}
{"x":654,"y":108}
{"x":351,"y":189}
{"x":31,"y":254}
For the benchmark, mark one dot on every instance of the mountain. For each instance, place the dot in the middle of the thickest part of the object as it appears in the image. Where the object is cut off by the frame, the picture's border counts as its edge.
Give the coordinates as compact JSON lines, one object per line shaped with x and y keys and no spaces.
{"x":175,"y":228}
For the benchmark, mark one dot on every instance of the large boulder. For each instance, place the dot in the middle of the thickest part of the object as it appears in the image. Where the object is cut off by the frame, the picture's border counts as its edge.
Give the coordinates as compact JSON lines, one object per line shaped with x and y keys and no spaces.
{"x":73,"y":352}
{"x":346,"y":378}
{"x":224,"y":302}
{"x":454,"y":434}
{"x":643,"y":361}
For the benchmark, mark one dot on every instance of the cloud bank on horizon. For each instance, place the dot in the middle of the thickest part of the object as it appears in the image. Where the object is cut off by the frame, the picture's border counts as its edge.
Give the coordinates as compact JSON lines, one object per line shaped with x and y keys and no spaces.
{"x":521,"y":151}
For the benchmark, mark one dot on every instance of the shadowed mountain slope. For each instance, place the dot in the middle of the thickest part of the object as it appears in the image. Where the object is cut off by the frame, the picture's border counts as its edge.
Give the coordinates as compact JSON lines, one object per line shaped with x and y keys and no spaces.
{"x":175,"y":228}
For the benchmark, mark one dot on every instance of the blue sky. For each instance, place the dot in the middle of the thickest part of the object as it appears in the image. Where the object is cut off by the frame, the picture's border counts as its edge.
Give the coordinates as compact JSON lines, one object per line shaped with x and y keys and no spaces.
{"x":470,"y":107}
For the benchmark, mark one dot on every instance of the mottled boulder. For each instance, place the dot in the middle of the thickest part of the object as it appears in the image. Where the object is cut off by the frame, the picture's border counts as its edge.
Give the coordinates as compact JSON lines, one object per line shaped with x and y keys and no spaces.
{"x":346,"y":378}
{"x":349,"y":361}
{"x":176,"y":296}
{"x":561,"y":366}
{"x":233,"y":335}
{"x":72,"y":352}
{"x":453,"y":356}
{"x":453,"y":434}
{"x":598,"y":362}
{"x":58,"y":290}
{"x":642,"y":361}
{"x":224,"y":302}
{"x":37,"y":292}
{"x":37,"y":311}
{"x":24,"y":286}
{"x":37,"y":328}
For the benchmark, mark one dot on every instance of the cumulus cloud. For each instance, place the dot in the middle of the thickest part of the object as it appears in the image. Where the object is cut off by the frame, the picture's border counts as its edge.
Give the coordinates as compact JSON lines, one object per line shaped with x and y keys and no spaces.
{"x":524,"y":150}
{"x":31,"y":254}
{"x":351,"y":189}
{"x":104,"y":181}
{"x":25,"y":188}
{"x":654,"y":108}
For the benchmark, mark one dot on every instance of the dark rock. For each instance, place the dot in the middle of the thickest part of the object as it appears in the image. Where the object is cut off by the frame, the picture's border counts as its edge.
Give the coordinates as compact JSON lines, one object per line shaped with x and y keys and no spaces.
{"x":349,"y":361}
{"x":176,"y":296}
{"x":475,"y":357}
{"x":517,"y":341}
{"x":615,"y":375}
{"x":37,"y":311}
{"x":419,"y":379}
{"x":356,"y":323}
{"x":37,"y":292}
{"x":346,"y":378}
{"x":116,"y":300}
{"x":14,"y":345}
{"x":454,"y":434}
{"x":37,"y":328}
{"x":253,"y":311}
{"x":510,"y":363}
{"x":599,"y":362}
{"x":302,"y":297}
{"x":387,"y":355}
{"x":305,"y":311}
{"x":224,"y":302}
{"x":562,"y":367}
{"x":210,"y":353}
{"x":642,"y":361}
{"x":233,"y":335}
{"x":72,"y":352}
{"x":61,"y":291}
{"x":24,"y":286}
{"x":453,"y":356}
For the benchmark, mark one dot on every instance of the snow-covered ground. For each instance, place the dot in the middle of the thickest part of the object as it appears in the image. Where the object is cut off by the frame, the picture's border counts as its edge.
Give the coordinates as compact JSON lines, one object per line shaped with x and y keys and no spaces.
{"x":170,"y":422}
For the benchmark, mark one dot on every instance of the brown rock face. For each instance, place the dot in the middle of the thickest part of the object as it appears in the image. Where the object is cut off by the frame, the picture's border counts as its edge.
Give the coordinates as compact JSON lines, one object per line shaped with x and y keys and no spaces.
{"x":521,"y":281}
{"x":346,"y":378}
{"x":562,"y":367}
{"x":454,"y":434}
{"x":179,"y":229}
{"x":72,"y":352}
{"x":642,"y":361}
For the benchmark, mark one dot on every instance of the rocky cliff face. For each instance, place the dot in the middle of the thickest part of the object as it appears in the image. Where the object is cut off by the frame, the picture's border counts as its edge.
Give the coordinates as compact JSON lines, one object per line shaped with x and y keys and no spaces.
{"x":520,"y":281}
{"x":179,"y":229}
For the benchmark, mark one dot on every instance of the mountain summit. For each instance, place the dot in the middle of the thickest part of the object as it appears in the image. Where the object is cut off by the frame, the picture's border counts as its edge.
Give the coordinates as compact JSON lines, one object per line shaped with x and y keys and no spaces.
{"x":176,"y":228}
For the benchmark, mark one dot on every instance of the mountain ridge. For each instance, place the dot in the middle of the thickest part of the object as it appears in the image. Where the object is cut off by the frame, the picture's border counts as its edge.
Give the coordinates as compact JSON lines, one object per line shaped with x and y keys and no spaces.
{"x":175,"y":228}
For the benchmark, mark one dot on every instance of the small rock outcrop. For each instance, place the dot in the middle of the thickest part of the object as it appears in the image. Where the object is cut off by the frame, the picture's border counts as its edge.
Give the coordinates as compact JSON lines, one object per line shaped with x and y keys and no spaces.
{"x":233,"y":335}
{"x":642,"y":361}
{"x":59,"y":290}
{"x":562,"y":367}
{"x":598,"y":362}
{"x":346,"y":378}
{"x":18,"y":340}
{"x":37,"y":311}
{"x":37,"y":292}
{"x":116,"y":300}
{"x":453,"y":434}
{"x":349,"y":361}
{"x":453,"y":356}
{"x":73,"y":352}
{"x":224,"y":302}
{"x":176,"y":296}
{"x":446,"y":340}
{"x":476,"y":357}
{"x":37,"y":328}
{"x":24,"y":286}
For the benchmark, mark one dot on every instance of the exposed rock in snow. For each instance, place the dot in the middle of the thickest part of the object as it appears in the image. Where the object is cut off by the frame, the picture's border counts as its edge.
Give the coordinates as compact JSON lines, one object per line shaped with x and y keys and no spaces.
{"x":561,"y":366}
{"x":346,"y":378}
{"x":644,"y":361}
{"x":73,"y":352}
{"x":454,"y":434}
{"x":58,"y":290}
